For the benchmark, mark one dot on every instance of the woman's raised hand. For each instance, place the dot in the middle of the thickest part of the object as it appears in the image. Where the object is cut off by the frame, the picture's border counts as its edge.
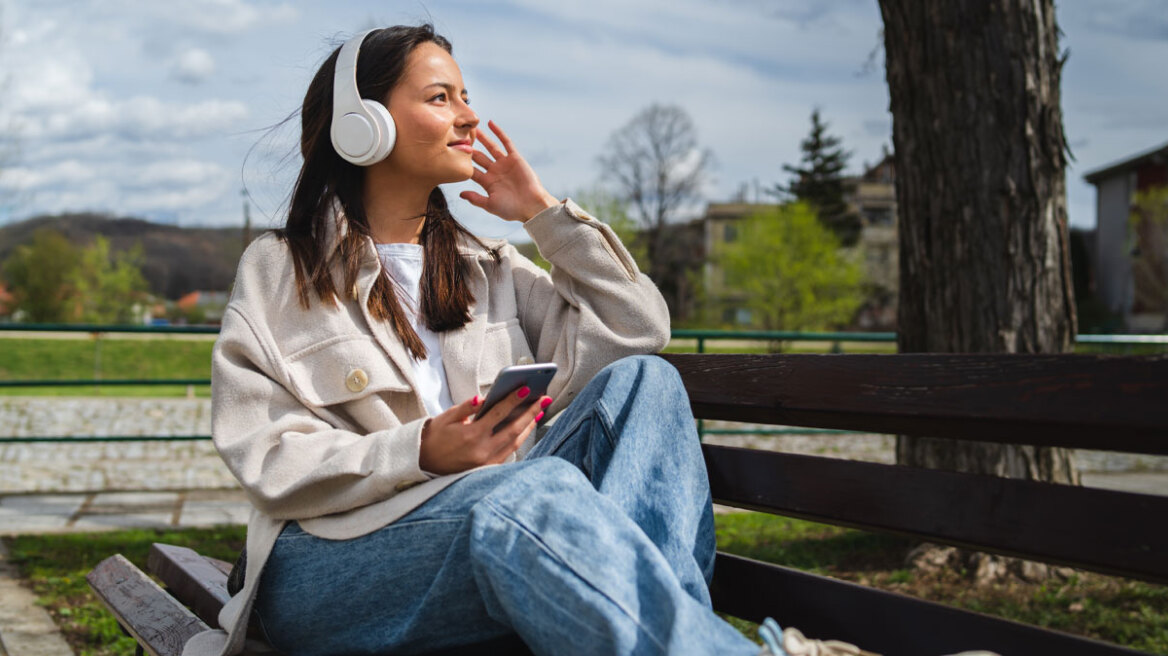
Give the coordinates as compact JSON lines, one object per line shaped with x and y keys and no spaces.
{"x":453,"y":441}
{"x":514,"y":191}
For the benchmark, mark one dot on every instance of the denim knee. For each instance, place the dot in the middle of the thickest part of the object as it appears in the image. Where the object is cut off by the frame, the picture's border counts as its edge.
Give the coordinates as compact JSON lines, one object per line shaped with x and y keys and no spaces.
{"x":653,"y":371}
{"x":536,"y":477}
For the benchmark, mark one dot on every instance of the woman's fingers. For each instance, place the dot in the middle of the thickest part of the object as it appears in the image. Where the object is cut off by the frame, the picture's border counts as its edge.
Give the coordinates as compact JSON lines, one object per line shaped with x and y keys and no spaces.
{"x":474,"y":198}
{"x":458,"y":413}
{"x":503,"y":408}
{"x":480,"y":158}
{"x":489,"y":144}
{"x":503,"y":138}
{"x":511,"y":437}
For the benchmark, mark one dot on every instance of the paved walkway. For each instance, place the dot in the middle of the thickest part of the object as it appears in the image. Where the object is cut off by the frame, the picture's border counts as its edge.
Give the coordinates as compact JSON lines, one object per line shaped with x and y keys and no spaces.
{"x":25,"y":628}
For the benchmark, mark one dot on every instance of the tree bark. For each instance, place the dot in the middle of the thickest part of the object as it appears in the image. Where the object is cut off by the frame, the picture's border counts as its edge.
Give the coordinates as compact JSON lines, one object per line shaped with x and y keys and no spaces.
{"x":980,"y":167}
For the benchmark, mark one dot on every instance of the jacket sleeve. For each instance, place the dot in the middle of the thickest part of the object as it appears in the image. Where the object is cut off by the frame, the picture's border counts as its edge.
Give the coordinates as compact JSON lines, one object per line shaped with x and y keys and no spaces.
{"x":290,"y":460}
{"x":594,"y":307}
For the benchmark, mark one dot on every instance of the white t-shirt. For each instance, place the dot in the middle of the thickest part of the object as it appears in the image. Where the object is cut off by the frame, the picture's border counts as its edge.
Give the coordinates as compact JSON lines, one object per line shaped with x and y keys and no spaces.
{"x":404,"y":264}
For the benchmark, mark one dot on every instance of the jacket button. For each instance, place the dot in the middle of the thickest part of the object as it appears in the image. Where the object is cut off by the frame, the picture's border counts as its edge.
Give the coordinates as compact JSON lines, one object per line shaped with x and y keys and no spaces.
{"x":356,"y":380}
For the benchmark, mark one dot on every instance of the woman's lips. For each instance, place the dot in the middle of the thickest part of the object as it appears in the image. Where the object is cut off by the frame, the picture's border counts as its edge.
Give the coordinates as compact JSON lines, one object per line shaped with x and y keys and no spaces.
{"x":464,"y":146}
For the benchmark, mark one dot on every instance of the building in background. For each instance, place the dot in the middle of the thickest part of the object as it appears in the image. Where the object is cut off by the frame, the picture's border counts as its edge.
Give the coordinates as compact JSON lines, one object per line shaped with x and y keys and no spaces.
{"x":1129,"y":265}
{"x":723,"y":304}
{"x":199,"y":307}
{"x":7,"y":301}
{"x":872,"y":195}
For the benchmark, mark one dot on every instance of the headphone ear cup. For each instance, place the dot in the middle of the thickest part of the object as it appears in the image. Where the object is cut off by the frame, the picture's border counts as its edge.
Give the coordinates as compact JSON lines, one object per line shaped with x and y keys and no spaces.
{"x":385,"y":127}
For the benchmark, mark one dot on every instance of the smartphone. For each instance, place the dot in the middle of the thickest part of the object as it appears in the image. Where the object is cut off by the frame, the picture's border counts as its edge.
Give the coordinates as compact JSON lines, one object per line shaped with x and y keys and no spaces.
{"x":537,"y":377}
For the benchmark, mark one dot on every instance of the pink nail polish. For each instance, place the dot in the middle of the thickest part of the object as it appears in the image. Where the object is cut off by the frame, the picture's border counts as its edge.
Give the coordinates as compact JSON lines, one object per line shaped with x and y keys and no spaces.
{"x":523,"y":392}
{"x":538,"y":417}
{"x":545,"y":403}
{"x":474,"y":403}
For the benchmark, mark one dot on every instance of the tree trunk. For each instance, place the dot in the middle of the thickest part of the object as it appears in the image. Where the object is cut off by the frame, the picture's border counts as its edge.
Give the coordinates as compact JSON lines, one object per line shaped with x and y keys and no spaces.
{"x":980,"y":165}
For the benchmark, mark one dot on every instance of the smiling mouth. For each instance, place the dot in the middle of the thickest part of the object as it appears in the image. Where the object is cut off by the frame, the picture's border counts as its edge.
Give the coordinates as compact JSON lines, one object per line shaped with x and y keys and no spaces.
{"x":464,"y":146}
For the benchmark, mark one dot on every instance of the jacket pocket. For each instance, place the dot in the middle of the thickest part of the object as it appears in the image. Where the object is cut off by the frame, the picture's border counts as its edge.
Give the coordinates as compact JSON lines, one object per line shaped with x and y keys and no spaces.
{"x":504,"y":344}
{"x":342,"y":369}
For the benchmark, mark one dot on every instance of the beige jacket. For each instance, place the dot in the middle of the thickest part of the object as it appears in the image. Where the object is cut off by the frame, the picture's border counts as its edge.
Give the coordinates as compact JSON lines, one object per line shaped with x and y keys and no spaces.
{"x":314,"y":410}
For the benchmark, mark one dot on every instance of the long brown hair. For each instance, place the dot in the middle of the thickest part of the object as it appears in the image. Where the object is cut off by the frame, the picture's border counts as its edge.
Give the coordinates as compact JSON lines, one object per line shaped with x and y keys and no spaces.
{"x":326,"y":178}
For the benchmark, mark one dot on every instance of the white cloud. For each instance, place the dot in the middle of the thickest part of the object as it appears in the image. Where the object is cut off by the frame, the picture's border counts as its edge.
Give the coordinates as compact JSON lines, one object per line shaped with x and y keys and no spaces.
{"x":64,"y":173}
{"x":216,"y":16}
{"x":121,"y":187}
{"x":102,"y":125}
{"x":194,"y":66}
{"x":132,"y":119}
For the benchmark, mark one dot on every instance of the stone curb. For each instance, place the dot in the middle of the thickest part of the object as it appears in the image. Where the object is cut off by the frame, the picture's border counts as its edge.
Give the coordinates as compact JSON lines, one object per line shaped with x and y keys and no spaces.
{"x":26,"y":629}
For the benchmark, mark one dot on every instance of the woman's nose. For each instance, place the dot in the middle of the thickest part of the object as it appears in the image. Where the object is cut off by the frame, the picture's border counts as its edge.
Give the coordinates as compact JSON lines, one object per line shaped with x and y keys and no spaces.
{"x":467,"y":117}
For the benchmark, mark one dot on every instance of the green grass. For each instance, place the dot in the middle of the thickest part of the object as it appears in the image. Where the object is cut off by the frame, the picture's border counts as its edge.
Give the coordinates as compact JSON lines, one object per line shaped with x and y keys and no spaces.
{"x":1118,"y":610}
{"x":73,"y":359}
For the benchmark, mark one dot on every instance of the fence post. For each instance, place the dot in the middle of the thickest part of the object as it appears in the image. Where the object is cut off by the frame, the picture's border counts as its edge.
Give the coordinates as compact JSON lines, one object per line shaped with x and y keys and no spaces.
{"x":97,"y":360}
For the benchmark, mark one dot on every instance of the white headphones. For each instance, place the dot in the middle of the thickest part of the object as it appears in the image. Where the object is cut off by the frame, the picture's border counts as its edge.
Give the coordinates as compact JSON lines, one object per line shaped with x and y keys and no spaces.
{"x":362,"y":130}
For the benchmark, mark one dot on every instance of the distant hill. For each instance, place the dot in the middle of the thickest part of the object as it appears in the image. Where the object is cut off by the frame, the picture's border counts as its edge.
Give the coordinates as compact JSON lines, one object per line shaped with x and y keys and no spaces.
{"x":177,"y":260}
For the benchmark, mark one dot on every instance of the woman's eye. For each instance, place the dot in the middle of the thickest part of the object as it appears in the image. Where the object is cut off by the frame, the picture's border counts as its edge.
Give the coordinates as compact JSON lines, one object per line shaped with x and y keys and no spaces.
{"x":466,"y":101}
{"x":441,"y":96}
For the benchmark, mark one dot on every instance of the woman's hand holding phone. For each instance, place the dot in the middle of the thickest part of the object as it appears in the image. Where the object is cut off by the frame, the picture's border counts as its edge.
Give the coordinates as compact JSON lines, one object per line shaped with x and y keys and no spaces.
{"x":455,"y":441}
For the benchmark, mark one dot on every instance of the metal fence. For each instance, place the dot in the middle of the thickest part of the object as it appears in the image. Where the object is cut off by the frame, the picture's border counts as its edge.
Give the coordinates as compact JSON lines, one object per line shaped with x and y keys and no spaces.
{"x":836,"y":342}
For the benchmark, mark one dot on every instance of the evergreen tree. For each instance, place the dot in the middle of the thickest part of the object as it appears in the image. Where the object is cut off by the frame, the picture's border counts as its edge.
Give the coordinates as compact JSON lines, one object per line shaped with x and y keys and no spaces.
{"x":819,"y":181}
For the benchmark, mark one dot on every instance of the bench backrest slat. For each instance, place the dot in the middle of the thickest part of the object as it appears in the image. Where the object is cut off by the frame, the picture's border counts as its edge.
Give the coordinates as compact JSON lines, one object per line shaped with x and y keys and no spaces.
{"x":1101,"y":530}
{"x":156,"y":620}
{"x":1079,"y":401}
{"x":879,"y":621}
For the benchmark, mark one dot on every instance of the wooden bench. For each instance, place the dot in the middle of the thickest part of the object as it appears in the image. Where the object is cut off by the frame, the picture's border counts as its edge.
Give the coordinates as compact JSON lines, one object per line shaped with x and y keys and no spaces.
{"x":1077,"y":401}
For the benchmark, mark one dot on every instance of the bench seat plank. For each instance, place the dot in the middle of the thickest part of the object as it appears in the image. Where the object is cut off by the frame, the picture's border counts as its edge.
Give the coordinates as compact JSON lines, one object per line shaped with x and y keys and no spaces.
{"x":191,"y":578}
{"x":1100,"y":530}
{"x":876,"y":620}
{"x":1080,"y":401}
{"x":159,"y":623}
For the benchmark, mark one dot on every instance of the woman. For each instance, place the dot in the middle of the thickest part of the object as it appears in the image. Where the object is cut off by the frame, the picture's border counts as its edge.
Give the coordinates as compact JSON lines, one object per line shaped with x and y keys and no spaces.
{"x":354,"y":353}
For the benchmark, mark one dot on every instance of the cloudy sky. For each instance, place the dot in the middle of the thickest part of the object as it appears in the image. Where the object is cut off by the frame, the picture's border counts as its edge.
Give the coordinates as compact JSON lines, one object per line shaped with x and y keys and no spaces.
{"x":163,"y":109}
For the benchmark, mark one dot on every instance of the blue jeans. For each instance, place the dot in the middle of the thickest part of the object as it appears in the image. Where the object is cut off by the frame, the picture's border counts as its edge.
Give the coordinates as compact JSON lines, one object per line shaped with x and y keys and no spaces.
{"x":601,"y":541}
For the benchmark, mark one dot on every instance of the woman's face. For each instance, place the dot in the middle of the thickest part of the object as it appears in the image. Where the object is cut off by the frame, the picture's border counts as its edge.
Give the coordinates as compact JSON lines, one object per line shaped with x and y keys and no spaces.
{"x":435,"y":125}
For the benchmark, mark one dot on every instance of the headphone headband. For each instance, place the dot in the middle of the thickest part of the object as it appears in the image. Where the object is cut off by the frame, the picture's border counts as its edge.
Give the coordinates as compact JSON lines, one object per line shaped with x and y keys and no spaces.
{"x":362,"y":130}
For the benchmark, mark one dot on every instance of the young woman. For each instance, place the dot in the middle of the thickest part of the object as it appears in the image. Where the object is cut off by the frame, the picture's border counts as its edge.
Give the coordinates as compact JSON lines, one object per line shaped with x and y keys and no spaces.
{"x":355,"y":351}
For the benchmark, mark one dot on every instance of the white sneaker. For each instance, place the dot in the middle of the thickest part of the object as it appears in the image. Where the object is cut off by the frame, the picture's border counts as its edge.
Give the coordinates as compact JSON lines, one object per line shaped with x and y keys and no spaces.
{"x":792,"y":642}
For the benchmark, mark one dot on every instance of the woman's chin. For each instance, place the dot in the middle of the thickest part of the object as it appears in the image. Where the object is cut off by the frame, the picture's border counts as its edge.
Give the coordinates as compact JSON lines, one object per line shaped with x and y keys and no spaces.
{"x":458,"y":176}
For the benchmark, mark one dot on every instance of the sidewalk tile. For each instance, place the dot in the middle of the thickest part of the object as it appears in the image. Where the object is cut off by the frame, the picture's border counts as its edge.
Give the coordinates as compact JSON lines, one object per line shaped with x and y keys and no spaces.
{"x":211,"y":513}
{"x":103,"y":522}
{"x":62,"y":505}
{"x":131,"y":499}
